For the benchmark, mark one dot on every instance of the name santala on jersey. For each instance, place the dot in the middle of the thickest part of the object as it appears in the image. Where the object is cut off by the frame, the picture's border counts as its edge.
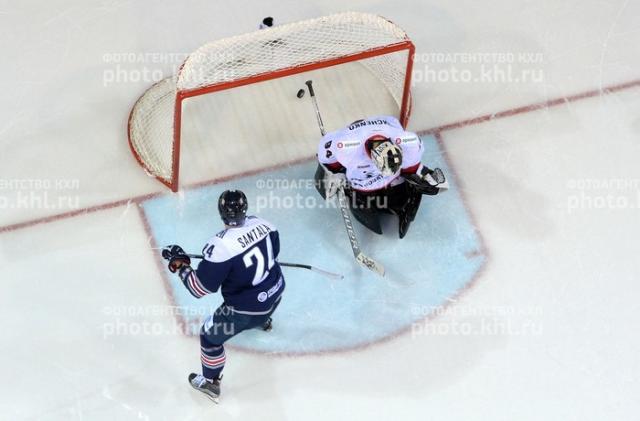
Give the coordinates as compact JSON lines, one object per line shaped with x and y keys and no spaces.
{"x":243,"y":261}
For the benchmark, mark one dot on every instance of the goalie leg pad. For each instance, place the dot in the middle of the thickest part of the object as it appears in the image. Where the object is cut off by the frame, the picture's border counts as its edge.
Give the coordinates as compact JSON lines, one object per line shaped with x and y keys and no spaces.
{"x":320,"y":181}
{"x":364,"y":210}
{"x":404,"y":201}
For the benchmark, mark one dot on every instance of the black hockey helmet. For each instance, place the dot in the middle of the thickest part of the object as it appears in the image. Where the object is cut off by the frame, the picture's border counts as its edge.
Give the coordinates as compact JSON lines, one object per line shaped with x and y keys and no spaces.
{"x":233,"y":206}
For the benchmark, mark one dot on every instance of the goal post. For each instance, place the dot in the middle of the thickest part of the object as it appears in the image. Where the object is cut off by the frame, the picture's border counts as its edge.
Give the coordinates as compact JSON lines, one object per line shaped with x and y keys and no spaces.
{"x":380,"y":46}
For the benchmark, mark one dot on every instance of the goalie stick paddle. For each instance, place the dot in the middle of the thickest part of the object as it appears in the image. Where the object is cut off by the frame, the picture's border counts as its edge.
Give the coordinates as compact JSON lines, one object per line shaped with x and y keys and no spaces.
{"x":355,"y":246}
{"x":293,"y":265}
{"x":346,"y":218}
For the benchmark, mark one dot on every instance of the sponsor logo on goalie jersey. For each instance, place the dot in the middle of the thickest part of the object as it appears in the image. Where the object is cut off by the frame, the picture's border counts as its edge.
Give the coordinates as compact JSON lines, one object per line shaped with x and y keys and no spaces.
{"x":370,"y":180}
{"x":348,"y":149}
{"x":407,"y":140}
{"x":348,"y":144}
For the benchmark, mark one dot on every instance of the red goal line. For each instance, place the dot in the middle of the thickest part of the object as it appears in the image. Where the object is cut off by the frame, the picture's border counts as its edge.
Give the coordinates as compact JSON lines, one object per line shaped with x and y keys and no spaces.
{"x":136,"y":200}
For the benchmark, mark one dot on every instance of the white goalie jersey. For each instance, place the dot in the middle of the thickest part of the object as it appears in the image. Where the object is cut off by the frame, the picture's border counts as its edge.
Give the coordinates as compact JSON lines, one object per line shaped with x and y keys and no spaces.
{"x":346,"y":148}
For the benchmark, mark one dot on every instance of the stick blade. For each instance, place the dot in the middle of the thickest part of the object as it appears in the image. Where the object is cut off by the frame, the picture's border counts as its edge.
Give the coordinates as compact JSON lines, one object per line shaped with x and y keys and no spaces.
{"x":327,"y":273}
{"x":370,"y":264}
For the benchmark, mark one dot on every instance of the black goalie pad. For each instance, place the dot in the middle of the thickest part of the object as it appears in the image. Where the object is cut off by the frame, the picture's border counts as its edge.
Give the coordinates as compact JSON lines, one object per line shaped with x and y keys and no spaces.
{"x":365,"y":209}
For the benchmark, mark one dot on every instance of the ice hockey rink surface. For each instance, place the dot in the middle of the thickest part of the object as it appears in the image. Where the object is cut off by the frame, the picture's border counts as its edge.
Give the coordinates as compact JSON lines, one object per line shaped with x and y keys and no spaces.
{"x":513,"y":297}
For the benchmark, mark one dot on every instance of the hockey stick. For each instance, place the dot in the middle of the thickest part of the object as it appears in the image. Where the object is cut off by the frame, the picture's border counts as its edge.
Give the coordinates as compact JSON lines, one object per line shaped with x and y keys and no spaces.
{"x":355,"y":245}
{"x":292,"y":265}
{"x":309,"y":84}
{"x":342,"y":200}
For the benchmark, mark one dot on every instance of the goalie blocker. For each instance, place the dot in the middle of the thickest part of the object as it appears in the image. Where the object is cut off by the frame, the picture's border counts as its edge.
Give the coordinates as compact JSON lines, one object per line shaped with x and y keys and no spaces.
{"x":378,"y":163}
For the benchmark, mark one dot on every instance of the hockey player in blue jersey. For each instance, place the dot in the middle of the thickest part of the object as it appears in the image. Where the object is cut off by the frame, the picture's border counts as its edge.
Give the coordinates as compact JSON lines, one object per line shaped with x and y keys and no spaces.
{"x":241,"y":261}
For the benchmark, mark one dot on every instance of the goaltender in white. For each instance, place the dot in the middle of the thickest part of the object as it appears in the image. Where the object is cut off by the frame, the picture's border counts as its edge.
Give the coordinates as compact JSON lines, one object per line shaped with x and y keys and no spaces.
{"x":378,"y":163}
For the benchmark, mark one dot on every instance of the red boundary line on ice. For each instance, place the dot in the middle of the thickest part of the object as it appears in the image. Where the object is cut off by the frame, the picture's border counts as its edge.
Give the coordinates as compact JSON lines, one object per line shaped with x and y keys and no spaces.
{"x":137,"y":200}
{"x":534,"y":107}
{"x":436,"y":131}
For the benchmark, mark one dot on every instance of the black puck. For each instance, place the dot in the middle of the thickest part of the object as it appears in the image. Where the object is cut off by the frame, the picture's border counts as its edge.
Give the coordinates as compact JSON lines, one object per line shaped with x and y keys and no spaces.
{"x":300,"y":93}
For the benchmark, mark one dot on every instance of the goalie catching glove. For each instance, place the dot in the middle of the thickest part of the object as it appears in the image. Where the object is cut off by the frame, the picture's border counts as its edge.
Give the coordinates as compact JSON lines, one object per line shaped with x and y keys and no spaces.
{"x":176,"y":257}
{"x":428,"y":181}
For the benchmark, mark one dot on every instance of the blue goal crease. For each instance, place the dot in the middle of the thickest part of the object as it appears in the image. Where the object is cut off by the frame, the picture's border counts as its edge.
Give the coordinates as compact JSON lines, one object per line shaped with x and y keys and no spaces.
{"x":437,"y":259}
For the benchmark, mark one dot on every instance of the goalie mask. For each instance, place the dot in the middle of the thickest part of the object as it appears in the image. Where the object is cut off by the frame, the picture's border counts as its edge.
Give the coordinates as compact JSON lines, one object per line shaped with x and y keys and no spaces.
{"x":386,"y":155}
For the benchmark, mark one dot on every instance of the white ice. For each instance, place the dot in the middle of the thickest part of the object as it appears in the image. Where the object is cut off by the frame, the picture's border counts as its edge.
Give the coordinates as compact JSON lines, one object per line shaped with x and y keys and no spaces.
{"x":558,"y":259}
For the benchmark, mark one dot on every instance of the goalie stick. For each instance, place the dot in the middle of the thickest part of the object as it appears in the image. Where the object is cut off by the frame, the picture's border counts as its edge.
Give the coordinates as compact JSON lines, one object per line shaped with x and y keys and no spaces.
{"x":342,"y":200}
{"x":292,"y":265}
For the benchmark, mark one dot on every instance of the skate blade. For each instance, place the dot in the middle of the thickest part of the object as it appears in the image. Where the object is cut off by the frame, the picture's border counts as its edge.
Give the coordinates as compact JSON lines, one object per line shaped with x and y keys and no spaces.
{"x":214,"y":399}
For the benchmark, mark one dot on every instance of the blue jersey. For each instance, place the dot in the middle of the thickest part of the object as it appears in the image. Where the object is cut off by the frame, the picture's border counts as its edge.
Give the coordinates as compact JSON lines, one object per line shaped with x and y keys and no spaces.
{"x":242,"y":262}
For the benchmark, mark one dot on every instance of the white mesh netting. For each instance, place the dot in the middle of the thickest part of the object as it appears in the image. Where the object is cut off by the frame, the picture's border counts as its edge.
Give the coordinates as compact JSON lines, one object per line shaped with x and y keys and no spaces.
{"x":283,"y":49}
{"x":151,"y":128}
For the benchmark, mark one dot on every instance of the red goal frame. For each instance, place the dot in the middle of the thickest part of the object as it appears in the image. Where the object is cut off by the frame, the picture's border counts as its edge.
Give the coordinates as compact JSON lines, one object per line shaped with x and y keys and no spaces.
{"x":181,"y":95}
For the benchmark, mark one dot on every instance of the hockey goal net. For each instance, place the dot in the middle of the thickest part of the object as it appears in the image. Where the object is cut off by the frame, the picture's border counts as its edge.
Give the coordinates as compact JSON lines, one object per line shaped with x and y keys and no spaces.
{"x":381,"y":48}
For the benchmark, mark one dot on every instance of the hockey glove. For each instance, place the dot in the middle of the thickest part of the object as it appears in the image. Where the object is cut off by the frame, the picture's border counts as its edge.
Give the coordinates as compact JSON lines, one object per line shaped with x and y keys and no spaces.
{"x":334,"y":181}
{"x":437,"y":176}
{"x":176,"y":257}
{"x":428,"y":181}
